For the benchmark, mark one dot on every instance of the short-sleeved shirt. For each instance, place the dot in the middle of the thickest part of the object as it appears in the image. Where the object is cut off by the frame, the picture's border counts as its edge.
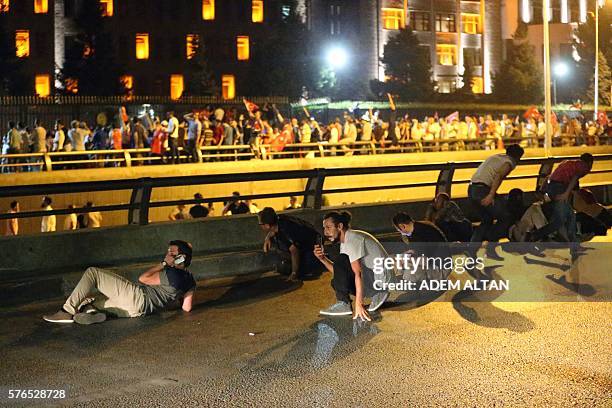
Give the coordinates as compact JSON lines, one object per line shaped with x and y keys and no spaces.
{"x":173,"y":126}
{"x":295,"y":231}
{"x":194,"y":130}
{"x":569,"y":169}
{"x":361,"y":246}
{"x":490,"y":169}
{"x":238,"y":208}
{"x":198,"y":211}
{"x":173,"y":284}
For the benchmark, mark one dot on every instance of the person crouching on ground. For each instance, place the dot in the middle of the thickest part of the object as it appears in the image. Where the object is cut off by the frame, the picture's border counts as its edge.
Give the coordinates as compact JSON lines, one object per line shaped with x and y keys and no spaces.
{"x":295,"y":239}
{"x":163,"y":284}
{"x":354,"y":268}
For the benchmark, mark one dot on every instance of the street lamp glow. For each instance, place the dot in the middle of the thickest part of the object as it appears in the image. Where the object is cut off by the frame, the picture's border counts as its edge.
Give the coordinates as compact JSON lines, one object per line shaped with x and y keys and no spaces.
{"x":337,"y":57}
{"x":561,"y":69}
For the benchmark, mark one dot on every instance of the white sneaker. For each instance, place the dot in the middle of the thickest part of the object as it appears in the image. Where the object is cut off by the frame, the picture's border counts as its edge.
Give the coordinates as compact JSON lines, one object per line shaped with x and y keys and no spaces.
{"x":337,"y":309}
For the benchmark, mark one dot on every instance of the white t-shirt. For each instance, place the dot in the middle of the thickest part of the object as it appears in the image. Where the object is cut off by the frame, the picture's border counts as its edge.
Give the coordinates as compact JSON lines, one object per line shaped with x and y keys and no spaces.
{"x":359,"y":245}
{"x":173,"y":126}
{"x":70,"y":222}
{"x":94,"y":219}
{"x":48,"y":221}
{"x":489,"y":170}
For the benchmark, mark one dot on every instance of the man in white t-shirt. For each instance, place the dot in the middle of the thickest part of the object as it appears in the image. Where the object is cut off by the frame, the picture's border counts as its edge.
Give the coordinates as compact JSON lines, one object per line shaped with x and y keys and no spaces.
{"x":173,"y":134}
{"x":353,"y":270}
{"x":482,"y":193}
{"x":48,"y":221}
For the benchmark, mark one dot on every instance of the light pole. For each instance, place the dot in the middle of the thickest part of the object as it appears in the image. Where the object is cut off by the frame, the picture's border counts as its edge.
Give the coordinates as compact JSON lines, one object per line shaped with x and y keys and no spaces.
{"x":547,"y":107}
{"x":598,"y":3}
{"x":560,"y":72}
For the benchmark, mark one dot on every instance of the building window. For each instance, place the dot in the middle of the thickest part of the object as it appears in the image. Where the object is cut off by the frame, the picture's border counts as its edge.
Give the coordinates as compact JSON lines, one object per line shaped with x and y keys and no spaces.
{"x":257,"y":11}
{"x":447,"y":54}
{"x":445,"y":23}
{"x":191,"y":45}
{"x":42,"y":85}
{"x":41,"y":6}
{"x":471,"y":23}
{"x":127,"y":81}
{"x":72,"y":85}
{"x":4,"y":6}
{"x":107,"y":8}
{"x":208,"y":9}
{"x":446,"y":86}
{"x":22,"y":43}
{"x":472,"y":56}
{"x":176,"y":86}
{"x":242,"y":46}
{"x":142,"y":46}
{"x":393,"y":18}
{"x":477,"y":85}
{"x":228,"y":86}
{"x":419,"y":21}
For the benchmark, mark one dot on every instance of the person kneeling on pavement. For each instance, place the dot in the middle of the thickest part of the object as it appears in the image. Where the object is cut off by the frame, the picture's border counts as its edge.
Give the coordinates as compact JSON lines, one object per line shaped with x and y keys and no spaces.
{"x":161,"y":285}
{"x":295,"y":239}
{"x":354,"y":268}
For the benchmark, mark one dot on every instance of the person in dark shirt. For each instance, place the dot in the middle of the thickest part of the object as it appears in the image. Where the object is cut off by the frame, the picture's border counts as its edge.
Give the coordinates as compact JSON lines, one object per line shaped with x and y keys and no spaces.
{"x":293,"y":237}
{"x":161,"y":285}
{"x":423,"y":237}
{"x":236,"y":206}
{"x":198,"y":210}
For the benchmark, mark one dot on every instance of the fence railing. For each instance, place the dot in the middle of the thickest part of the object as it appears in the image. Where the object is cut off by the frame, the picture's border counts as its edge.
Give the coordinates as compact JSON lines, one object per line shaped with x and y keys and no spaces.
{"x":134,"y":99}
{"x":134,"y":157}
{"x":141,"y":189}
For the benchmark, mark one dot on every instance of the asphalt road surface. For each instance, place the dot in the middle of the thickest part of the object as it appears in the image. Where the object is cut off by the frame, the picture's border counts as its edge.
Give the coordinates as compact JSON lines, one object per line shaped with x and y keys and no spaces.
{"x":262,"y":343}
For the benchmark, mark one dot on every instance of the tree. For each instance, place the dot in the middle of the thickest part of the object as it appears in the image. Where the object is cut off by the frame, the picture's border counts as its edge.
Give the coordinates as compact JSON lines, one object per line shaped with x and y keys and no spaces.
{"x":200,"y":80}
{"x":519,"y":79}
{"x":91,"y":57}
{"x":584,"y":44}
{"x":408,"y":67}
{"x":605,"y":83}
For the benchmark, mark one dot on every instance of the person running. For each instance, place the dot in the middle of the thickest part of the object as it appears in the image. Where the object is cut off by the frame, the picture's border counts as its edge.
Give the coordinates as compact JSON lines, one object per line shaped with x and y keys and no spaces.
{"x":353,"y":269}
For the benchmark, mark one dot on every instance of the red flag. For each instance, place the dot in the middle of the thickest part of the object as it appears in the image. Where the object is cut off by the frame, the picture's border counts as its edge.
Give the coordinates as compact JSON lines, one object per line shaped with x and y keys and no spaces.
{"x":251,"y":107}
{"x":602,"y":118}
{"x":452,"y":116}
{"x":532,"y":112}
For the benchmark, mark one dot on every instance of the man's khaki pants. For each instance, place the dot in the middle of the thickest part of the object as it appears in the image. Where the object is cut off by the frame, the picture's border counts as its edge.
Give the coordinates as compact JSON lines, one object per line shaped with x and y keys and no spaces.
{"x":118,"y":296}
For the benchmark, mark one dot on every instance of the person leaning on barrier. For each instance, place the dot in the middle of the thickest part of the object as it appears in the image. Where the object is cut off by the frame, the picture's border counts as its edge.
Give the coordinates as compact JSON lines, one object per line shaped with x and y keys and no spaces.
{"x":447,"y":216}
{"x":162,"y":285}
{"x":353,"y":269}
{"x":483,"y":189}
{"x":294,"y":238}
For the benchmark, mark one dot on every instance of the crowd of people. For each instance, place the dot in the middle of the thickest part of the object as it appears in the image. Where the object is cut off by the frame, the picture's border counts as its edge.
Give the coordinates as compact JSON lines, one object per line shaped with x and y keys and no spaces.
{"x":356,"y":276}
{"x":174,"y":139}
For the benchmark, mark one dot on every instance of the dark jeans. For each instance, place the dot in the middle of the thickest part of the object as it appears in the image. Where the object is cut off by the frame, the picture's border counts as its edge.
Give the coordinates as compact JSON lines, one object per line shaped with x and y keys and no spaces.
{"x":488,"y":230}
{"x":456,"y":231}
{"x":344,"y":279}
{"x":191,"y":151}
{"x":562,"y":217}
{"x":173,"y":153}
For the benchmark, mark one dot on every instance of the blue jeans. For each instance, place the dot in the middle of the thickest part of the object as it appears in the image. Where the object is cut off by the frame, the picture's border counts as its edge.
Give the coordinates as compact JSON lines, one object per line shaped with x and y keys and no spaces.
{"x":488,"y":230}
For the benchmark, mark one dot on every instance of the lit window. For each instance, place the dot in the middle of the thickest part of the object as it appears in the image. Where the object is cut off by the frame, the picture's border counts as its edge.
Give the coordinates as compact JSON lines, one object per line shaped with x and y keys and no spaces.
{"x":22,"y":43}
{"x":176,"y":86}
{"x":242,"y":45}
{"x":477,"y":85}
{"x":41,"y":6}
{"x":4,"y":6}
{"x":42,"y":85}
{"x":142,"y":46}
{"x":72,"y":85}
{"x":445,"y":23}
{"x":208,"y":9}
{"x":128,"y":82}
{"x":471,"y":23}
{"x":393,"y":18}
{"x":257,"y":11}
{"x":107,"y":8}
{"x":228,"y":86}
{"x":191,"y":45}
{"x":447,"y":54}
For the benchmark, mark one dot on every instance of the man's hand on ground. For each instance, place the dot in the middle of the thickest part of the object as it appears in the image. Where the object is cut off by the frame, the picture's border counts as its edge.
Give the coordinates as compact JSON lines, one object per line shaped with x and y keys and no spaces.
{"x":361,"y":312}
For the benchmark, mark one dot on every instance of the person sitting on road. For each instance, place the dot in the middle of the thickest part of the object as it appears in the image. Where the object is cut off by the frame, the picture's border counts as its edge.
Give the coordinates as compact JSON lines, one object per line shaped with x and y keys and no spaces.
{"x":592,"y":216}
{"x":353,"y":269}
{"x":447,"y":216}
{"x":161,"y":285}
{"x":294,"y":238}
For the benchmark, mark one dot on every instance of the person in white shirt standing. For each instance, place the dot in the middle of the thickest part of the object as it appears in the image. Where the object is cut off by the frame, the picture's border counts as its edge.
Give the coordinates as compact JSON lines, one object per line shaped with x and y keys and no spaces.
{"x":172,"y":130}
{"x":48,"y":221}
{"x":70,"y":222}
{"x":94,"y":218}
{"x":194,"y":134}
{"x":12,"y":224}
{"x":354,"y":269}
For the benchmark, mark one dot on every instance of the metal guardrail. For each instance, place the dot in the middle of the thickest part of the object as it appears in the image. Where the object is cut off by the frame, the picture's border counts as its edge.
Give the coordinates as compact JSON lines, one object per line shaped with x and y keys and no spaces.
{"x":140,"y":201}
{"x":129,"y":157}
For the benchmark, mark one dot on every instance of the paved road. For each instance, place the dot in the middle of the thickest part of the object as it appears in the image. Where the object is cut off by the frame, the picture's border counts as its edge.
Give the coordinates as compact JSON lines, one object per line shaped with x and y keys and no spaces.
{"x":440,"y":353}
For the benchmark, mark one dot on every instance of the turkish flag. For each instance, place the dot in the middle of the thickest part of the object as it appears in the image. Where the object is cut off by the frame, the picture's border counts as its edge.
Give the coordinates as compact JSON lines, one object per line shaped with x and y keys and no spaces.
{"x":602,"y":118}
